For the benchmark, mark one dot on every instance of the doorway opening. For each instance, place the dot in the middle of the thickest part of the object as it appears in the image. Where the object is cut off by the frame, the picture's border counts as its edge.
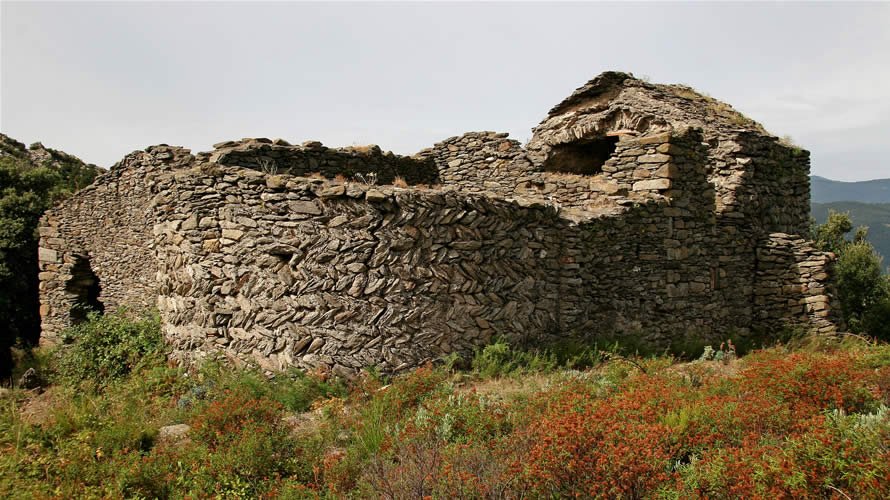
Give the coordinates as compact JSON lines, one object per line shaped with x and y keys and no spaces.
{"x":85,"y":287}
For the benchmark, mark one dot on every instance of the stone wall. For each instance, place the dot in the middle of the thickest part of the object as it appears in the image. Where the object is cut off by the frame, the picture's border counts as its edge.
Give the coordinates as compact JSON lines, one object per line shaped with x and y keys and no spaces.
{"x":617,"y":222}
{"x":286,"y":270}
{"x":480,"y":162}
{"x":105,"y":230}
{"x":282,"y":270}
{"x":650,"y":265}
{"x":793,"y":285}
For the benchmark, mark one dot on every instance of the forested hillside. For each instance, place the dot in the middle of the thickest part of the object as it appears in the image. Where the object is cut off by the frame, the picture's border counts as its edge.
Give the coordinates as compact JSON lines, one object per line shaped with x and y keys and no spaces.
{"x":31,"y":180}
{"x":826,"y":190}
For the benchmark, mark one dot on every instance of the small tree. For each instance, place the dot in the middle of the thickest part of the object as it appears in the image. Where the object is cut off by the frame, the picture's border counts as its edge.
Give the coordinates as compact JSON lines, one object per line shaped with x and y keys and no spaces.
{"x":863,"y":289}
{"x":832,"y":235}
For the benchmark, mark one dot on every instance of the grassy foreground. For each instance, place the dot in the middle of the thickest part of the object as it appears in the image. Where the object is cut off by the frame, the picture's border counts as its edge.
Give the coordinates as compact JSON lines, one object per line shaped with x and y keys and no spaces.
{"x":808,"y":420}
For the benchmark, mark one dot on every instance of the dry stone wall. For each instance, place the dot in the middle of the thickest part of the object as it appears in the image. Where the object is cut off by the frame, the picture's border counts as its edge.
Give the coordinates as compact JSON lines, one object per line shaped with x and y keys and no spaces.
{"x":480,"y":162}
{"x":310,"y":272}
{"x":282,"y":270}
{"x":793,"y":285}
{"x":672,"y":227}
{"x":103,"y":234}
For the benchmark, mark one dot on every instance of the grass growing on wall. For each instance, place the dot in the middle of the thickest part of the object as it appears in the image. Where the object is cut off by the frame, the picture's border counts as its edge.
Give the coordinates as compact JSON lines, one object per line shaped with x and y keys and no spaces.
{"x":804,"y":420}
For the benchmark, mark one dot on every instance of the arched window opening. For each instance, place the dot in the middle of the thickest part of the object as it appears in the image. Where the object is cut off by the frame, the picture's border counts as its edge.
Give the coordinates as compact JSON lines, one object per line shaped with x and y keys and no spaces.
{"x":582,"y":157}
{"x":84,"y":286}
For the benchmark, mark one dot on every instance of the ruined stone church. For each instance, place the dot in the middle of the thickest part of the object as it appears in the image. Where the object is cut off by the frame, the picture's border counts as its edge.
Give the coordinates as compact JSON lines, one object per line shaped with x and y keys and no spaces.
{"x":636,"y":210}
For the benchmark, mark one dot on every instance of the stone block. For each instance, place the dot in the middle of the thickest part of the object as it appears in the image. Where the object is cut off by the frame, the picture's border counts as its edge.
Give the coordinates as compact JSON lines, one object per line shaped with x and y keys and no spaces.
{"x":375,"y":196}
{"x":652,"y":185}
{"x":232,"y":234}
{"x":47,"y":255}
{"x":669,"y":171}
{"x":276,"y":181}
{"x":654,"y":158}
{"x":654,"y":139}
{"x":304,"y":207}
{"x":332,"y":191}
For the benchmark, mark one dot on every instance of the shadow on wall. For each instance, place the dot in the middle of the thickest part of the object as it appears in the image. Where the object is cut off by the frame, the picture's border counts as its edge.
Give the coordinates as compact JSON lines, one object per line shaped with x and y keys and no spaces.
{"x":85,"y":289}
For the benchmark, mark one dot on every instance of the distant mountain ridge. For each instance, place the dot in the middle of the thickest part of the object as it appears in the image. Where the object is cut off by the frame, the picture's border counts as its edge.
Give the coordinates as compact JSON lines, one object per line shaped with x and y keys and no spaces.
{"x":824,"y":190}
{"x":867,"y":202}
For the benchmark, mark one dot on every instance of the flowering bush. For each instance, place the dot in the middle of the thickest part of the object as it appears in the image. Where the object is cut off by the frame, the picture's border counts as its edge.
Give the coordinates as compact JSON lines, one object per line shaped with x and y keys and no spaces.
{"x":812,"y":421}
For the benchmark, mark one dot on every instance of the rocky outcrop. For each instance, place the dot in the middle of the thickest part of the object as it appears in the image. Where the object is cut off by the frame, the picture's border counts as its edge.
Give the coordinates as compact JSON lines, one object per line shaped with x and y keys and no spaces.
{"x":37,"y":155}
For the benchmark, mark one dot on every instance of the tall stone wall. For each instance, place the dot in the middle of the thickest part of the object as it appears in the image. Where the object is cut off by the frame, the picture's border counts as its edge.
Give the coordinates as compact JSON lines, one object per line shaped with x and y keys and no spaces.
{"x":104,"y":234}
{"x":651,"y":265}
{"x":793,"y":285}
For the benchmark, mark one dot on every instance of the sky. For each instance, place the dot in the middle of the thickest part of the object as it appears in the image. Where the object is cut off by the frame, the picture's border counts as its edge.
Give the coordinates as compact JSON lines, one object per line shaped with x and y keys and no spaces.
{"x":99,"y":80}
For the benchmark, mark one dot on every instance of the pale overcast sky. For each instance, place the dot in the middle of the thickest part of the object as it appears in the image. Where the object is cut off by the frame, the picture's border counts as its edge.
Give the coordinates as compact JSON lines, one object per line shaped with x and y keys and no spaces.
{"x":99,"y":80}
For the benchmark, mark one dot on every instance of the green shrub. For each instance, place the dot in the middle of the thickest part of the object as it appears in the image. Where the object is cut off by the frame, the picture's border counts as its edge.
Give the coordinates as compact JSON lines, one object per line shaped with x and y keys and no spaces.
{"x":294,"y":390}
{"x":26,"y":191}
{"x":501,"y":359}
{"x":497,"y":359}
{"x":863,"y":289}
{"x":876,"y":321}
{"x":860,"y":281}
{"x":107,"y":347}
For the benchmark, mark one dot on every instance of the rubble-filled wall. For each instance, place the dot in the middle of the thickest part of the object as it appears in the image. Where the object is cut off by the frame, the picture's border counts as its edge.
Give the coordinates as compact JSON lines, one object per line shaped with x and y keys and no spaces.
{"x":757,"y":179}
{"x":279,"y":157}
{"x":480,"y":162}
{"x":96,"y":248}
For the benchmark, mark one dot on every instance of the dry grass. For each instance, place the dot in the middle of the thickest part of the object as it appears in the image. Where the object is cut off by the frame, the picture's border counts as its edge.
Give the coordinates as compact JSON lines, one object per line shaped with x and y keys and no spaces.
{"x":510,"y":388}
{"x":38,"y":409}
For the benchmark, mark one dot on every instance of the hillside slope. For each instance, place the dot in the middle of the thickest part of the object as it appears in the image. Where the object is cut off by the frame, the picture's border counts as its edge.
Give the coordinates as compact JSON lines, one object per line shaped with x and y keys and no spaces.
{"x":75,"y":172}
{"x":874,"y":215}
{"x":826,"y":190}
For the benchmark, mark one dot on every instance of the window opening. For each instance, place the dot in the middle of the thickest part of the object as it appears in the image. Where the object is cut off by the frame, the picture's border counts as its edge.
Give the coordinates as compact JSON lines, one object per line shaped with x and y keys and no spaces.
{"x":582,"y":157}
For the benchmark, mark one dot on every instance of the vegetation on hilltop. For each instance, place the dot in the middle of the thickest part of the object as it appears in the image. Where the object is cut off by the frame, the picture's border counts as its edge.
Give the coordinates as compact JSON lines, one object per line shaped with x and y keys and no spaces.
{"x":806,"y":419}
{"x":27,"y":189}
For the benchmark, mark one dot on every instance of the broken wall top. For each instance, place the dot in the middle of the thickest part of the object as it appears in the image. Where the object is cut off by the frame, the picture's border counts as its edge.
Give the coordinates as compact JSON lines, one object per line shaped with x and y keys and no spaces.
{"x":617,"y":104}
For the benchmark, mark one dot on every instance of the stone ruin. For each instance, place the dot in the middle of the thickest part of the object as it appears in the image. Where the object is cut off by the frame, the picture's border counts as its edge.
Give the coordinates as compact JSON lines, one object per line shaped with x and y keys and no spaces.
{"x":636,"y":211}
